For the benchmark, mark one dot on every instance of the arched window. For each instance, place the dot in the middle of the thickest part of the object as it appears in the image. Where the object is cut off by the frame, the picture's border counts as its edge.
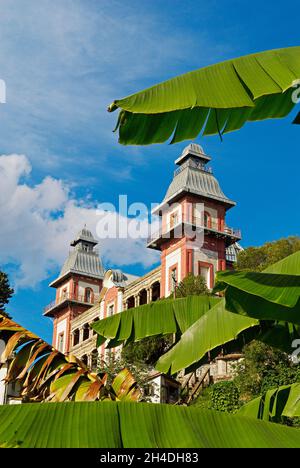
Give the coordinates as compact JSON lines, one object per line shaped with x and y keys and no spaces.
{"x":75,"y":337}
{"x":143,"y":297}
{"x":130,"y":302}
{"x":88,"y":295}
{"x":155,"y":291}
{"x":86,"y":332}
{"x":207,"y":219}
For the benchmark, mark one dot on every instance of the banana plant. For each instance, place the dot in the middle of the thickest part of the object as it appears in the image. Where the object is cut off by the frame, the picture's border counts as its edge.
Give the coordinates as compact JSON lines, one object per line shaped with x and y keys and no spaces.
{"x":216,"y":99}
{"x":157,"y":318}
{"x":275,"y":404}
{"x":46,"y":375}
{"x":267,"y":302}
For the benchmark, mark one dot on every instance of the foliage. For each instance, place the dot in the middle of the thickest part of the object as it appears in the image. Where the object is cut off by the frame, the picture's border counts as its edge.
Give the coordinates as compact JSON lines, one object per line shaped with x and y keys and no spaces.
{"x":273,"y":294}
{"x":117,"y":362}
{"x":127,"y":425}
{"x":251,"y":296}
{"x":45,"y":374}
{"x":146,"y":351}
{"x":192,"y":285}
{"x":157,"y":318}
{"x":5,"y":292}
{"x":259,"y":258}
{"x":263,"y":368}
{"x":280,"y":404}
{"x":215,"y":328}
{"x":216,"y":99}
{"x":225,"y":397}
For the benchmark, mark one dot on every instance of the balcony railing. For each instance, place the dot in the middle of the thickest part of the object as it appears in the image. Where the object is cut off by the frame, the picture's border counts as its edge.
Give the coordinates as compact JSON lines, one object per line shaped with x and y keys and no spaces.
{"x":194,"y":164}
{"x":73,"y":297}
{"x":165,"y":232}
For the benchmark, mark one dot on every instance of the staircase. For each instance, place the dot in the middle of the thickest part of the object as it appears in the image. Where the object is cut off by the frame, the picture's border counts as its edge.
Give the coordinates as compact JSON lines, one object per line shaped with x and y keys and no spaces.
{"x":194,"y":384}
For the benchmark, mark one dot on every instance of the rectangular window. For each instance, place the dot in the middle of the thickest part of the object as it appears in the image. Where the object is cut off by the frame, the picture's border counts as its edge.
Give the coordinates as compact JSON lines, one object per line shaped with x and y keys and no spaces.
{"x":173,"y":279}
{"x":110,"y":311}
{"x":206,"y":270}
{"x":64,"y":293}
{"x":173,"y":219}
{"x":61,"y":344}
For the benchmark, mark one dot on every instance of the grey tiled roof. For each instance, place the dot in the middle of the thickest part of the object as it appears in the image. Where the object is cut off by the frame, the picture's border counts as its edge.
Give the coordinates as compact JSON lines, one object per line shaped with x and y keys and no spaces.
{"x":83,"y":259}
{"x":80,"y":261}
{"x":196,"y":181}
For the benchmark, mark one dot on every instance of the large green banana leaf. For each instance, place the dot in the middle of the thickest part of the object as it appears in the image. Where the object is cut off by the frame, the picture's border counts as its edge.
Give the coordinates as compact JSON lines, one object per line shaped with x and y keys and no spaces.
{"x":215,"y":328}
{"x":127,"y":425}
{"x":275,"y":403}
{"x":280,"y":335}
{"x":216,"y":99}
{"x":156,"y":318}
{"x":204,"y":327}
{"x":271,"y":295}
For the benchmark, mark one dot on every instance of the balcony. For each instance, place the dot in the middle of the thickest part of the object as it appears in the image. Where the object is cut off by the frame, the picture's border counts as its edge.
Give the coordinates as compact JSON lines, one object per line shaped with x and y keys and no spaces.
{"x":67,"y":297}
{"x":179,"y":229}
{"x":196,"y":165}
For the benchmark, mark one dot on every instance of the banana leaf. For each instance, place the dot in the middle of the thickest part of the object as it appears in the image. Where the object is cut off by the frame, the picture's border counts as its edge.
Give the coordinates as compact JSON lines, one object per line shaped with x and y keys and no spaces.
{"x":156,"y":318}
{"x":274,"y":404}
{"x":280,"y":335}
{"x":216,"y":99}
{"x":215,"y":328}
{"x":271,"y":295}
{"x":128,"y":425}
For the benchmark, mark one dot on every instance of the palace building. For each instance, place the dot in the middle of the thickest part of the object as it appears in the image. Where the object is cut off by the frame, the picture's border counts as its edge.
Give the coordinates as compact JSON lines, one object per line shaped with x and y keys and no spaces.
{"x":193,"y":239}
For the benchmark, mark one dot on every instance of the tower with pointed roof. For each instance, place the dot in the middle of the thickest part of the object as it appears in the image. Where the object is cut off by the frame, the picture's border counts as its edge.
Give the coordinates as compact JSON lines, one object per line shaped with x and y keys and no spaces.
{"x":77,"y":287}
{"x":194,"y":237}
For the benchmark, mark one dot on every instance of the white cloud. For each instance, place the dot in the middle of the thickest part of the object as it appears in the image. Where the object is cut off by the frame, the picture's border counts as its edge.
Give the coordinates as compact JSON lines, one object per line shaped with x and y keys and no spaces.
{"x":38,"y":222}
{"x":63,"y":63}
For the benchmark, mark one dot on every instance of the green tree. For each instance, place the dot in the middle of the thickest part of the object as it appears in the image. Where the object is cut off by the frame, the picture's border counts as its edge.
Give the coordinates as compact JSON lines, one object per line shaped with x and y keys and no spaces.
{"x":5,"y":292}
{"x":147,"y":351}
{"x":192,"y":285}
{"x":259,"y":258}
{"x":263,"y":368}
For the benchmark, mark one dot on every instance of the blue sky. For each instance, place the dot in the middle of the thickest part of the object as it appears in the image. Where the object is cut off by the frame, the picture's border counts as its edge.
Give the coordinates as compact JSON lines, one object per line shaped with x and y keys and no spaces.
{"x":63,"y":62}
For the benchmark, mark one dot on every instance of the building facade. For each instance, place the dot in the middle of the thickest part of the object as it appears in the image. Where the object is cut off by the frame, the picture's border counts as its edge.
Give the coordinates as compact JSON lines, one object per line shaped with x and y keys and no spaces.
{"x":193,"y":239}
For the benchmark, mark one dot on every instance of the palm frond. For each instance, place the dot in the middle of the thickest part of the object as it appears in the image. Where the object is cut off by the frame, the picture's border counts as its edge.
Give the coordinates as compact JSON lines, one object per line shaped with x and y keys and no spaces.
{"x":45,"y":374}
